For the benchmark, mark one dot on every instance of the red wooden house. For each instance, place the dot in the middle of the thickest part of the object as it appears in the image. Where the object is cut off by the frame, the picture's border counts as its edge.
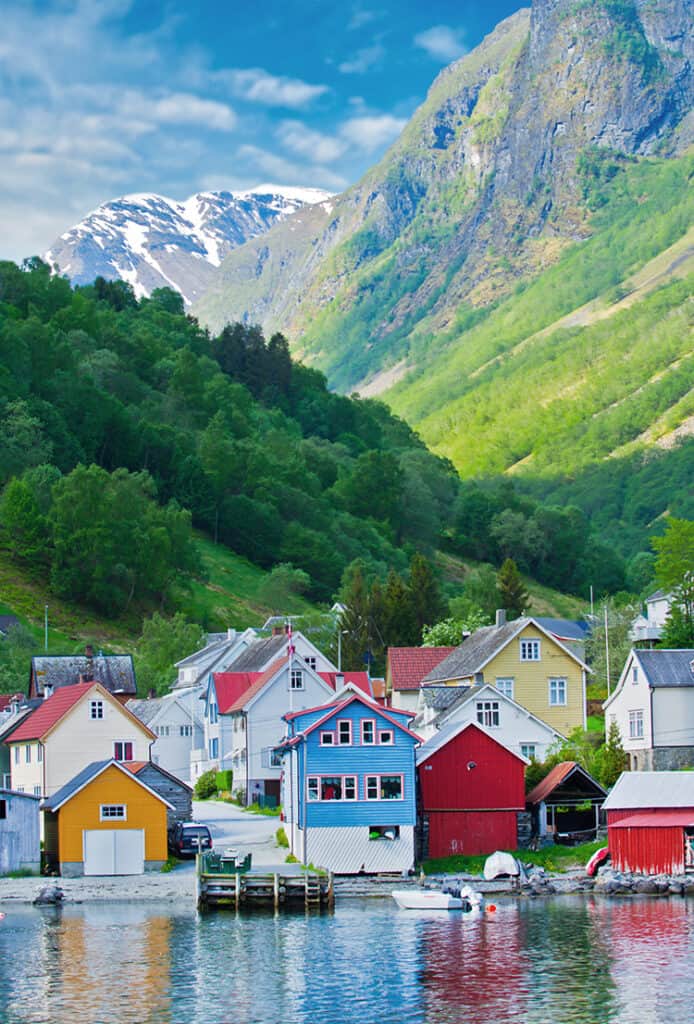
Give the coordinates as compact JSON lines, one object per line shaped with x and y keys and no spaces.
{"x":650,"y":823}
{"x":471,"y":790}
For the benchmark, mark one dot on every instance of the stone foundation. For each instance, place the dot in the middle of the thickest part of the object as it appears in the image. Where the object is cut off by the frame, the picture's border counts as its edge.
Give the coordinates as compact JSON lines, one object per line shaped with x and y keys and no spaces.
{"x":662,"y":759}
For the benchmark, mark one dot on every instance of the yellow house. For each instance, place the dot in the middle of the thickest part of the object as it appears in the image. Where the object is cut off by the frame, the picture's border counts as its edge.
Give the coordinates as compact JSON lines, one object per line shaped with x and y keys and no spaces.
{"x":526,"y":663}
{"x":105,"y":821}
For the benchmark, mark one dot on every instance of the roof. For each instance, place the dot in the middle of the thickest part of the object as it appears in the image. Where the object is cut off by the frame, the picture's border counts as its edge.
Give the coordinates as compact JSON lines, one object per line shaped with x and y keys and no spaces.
{"x":16,"y":793}
{"x":449,"y":732}
{"x":145,"y":710}
{"x":667,"y":667}
{"x":340,"y":703}
{"x":49,"y":712}
{"x":359,"y":679}
{"x":559,"y":775}
{"x":87,"y":775}
{"x":477,"y":650}
{"x":653,"y":820}
{"x":441,"y":698}
{"x":8,"y":622}
{"x":565,"y":629}
{"x":658,"y":595}
{"x":258,"y":653}
{"x":257,"y":685}
{"x":407,"y":666}
{"x":136,"y":767}
{"x":641,"y":790}
{"x":229,"y":686}
{"x":5,"y":700}
{"x":13,"y":721}
{"x":115,"y":672}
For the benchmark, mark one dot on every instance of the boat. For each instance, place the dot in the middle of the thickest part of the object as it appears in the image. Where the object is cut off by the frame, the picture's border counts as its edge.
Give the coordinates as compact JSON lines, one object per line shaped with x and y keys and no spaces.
{"x":465,"y":899}
{"x":597,"y":860}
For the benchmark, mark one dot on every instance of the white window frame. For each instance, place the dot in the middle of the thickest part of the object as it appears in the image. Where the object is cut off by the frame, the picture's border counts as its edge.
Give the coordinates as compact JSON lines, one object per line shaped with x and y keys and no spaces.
{"x":314,"y":784}
{"x":636,"y":724}
{"x":313,"y":789}
{"x":120,"y":815}
{"x":529,"y":750}
{"x":486,"y":712}
{"x":39,"y":752}
{"x":346,"y":742}
{"x":27,"y":753}
{"x":372,"y":723}
{"x":634,"y":675}
{"x":557,"y":683}
{"x":368,"y":784}
{"x":311,"y":661}
{"x":504,"y":685}
{"x":16,"y":754}
{"x":296,"y":679}
{"x":327,"y":739}
{"x":123,"y":744}
{"x":214,"y":714}
{"x":530,"y":649}
{"x":386,"y":732}
{"x":37,"y":791}
{"x":96,"y":710}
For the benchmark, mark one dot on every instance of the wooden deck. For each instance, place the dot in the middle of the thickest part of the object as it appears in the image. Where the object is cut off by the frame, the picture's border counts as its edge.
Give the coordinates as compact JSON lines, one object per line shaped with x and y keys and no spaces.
{"x":252,"y":890}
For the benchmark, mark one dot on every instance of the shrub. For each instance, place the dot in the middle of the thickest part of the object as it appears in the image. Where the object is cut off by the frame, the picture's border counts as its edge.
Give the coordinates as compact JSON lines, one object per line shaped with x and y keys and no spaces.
{"x":224,"y":780}
{"x":206,"y":786}
{"x":281,"y":837}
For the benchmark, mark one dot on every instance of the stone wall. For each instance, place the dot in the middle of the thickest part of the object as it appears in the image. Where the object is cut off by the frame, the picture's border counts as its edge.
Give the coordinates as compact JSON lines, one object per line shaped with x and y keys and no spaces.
{"x":662,"y":759}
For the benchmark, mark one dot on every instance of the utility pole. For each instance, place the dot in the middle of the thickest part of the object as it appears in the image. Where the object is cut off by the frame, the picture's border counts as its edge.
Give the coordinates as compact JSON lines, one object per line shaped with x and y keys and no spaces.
{"x":607,"y":651}
{"x":45,"y":626}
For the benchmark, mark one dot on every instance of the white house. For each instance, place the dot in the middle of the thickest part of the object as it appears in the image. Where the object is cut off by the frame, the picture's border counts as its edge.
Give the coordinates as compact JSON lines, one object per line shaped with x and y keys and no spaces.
{"x":506,"y":721}
{"x":649,"y":627}
{"x":176,"y":720}
{"x":653,"y":706}
{"x":219,"y":652}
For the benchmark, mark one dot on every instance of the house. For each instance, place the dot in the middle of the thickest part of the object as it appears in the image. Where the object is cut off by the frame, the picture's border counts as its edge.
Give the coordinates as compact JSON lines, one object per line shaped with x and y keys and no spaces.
{"x":653,"y":706}
{"x":20,"y":846}
{"x":177,"y":794}
{"x":105,"y":821}
{"x":472,"y":789}
{"x":567,"y":801}
{"x":115,"y":672}
{"x":349,"y":785}
{"x":219,"y":652}
{"x":527,"y":663}
{"x":650,"y":823}
{"x":406,"y":667}
{"x":510,"y":724}
{"x":176,"y":720}
{"x":648,"y":628}
{"x":74,"y":727}
{"x":13,"y":710}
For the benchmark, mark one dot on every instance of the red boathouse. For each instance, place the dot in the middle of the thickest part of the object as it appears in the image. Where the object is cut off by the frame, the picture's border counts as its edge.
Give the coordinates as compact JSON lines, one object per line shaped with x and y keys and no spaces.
{"x":471,"y":790}
{"x":650,"y":823}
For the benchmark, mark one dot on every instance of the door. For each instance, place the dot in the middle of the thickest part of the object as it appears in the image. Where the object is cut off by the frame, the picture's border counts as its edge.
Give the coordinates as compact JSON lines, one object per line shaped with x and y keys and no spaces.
{"x":114,"y":851}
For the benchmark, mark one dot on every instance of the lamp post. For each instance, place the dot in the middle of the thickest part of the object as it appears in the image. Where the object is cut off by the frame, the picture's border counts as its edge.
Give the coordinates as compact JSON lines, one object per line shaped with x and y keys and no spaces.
{"x":340,"y":634}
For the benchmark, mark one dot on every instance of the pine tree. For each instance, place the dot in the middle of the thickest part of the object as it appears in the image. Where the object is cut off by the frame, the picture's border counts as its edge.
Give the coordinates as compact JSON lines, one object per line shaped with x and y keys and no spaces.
{"x":611,"y":760}
{"x":514,"y":597}
{"x":425,"y":596}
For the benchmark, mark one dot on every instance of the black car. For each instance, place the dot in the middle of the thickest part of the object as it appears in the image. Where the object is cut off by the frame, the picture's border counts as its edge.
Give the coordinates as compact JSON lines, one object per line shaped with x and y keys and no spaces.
{"x":188,"y":838}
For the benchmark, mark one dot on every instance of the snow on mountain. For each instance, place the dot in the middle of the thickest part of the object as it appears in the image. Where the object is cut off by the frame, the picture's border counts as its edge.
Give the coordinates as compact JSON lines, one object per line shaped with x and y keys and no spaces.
{"x":153,"y":242}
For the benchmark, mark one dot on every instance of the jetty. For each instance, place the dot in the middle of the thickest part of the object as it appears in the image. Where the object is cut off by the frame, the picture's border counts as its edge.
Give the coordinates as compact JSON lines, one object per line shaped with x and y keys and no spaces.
{"x":232,"y":883}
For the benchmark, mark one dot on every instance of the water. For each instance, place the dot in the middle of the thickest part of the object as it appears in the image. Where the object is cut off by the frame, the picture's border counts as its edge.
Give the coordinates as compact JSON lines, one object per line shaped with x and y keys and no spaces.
{"x":561,"y":961}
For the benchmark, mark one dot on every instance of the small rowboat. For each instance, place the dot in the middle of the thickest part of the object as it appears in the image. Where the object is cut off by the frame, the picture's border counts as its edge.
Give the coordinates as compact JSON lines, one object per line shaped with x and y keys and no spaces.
{"x":464,"y":899}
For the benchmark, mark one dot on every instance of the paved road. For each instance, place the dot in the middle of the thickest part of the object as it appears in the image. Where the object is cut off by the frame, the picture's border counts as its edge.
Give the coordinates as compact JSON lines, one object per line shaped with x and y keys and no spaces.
{"x":248,"y":833}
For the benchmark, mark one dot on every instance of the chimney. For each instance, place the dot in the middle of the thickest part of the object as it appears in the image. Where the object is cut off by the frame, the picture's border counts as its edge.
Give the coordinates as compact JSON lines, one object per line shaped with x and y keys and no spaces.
{"x":500,"y":617}
{"x":339,"y":680}
{"x":231,"y":633}
{"x":278,"y":630}
{"x":47,"y":691}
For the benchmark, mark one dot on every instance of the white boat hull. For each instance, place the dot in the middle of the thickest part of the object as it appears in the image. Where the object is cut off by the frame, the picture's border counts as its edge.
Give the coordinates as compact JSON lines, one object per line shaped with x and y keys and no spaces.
{"x":423,"y":899}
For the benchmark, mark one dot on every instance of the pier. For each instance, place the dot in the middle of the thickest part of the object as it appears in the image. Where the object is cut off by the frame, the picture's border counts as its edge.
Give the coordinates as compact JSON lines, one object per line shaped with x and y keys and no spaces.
{"x":240,"y":887}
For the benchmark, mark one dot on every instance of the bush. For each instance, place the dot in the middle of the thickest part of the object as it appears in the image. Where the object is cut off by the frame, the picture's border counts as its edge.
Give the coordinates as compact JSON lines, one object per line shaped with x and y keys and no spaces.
{"x":206,"y":786}
{"x":281,"y":837}
{"x":224,"y":780}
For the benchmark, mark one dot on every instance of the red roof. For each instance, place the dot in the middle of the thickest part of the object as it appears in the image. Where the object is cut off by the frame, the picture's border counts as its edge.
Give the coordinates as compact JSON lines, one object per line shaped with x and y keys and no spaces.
{"x":229,"y":686}
{"x":550,"y":782}
{"x":407,"y":666}
{"x":330,"y":710}
{"x":259,"y":680}
{"x":49,"y":713}
{"x":359,"y":679}
{"x":653,"y":819}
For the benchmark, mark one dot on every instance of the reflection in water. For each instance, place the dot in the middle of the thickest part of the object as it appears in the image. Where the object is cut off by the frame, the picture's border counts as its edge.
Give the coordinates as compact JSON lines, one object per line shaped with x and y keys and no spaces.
{"x":561,"y":961}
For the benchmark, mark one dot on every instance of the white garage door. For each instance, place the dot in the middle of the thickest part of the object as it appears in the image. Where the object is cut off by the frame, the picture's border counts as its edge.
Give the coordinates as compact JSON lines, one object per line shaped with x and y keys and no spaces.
{"x":114,"y":851}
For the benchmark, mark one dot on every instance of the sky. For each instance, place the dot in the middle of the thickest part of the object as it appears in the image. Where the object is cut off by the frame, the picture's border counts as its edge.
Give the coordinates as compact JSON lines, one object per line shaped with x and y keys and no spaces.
{"x":101,"y":98}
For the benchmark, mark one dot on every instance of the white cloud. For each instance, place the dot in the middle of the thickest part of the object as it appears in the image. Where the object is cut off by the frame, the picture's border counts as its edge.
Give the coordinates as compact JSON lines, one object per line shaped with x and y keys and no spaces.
{"x":304,"y":141}
{"x":361,"y":17}
{"x":184,"y":108}
{"x":288,"y":172}
{"x":441,"y":42}
{"x":363,"y":60}
{"x":372,"y":132}
{"x":259,"y":86}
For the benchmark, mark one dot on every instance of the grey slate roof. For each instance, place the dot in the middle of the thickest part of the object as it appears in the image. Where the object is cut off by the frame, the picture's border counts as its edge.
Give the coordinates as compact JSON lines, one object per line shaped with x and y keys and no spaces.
{"x":75,"y":783}
{"x":667,"y":668}
{"x":145,"y":710}
{"x":568,"y":629}
{"x":475,"y":651}
{"x":11,"y":724}
{"x":259,"y":653}
{"x":440,"y":698}
{"x":646,"y":790}
{"x":115,"y":672}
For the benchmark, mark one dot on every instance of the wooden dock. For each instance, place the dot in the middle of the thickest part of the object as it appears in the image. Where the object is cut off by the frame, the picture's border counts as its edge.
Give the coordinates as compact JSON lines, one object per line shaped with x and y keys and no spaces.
{"x":252,"y":890}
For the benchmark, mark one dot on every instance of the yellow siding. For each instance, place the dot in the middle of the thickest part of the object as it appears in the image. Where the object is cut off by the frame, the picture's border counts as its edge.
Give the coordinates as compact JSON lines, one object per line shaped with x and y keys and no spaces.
{"x":112,"y":787}
{"x":531,"y":680}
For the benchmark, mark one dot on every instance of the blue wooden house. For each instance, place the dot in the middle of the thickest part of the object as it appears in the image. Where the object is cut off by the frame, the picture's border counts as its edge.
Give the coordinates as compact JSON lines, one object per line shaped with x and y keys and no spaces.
{"x":349,"y":786}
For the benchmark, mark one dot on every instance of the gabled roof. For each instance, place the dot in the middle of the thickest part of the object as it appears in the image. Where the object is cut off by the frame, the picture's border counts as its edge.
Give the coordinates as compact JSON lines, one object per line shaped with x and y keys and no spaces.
{"x":148,"y":710}
{"x":469,"y":693}
{"x":259,"y":683}
{"x":136,"y":767}
{"x":87,"y":775}
{"x":571,"y":630}
{"x":338,"y":705}
{"x":485,"y":643}
{"x":441,"y":698}
{"x":256,"y":656}
{"x":115,"y":672}
{"x":407,"y":666}
{"x":562,"y":774}
{"x":649,"y":790}
{"x":667,"y":667}
{"x":229,"y":686}
{"x":54,"y":708}
{"x":453,"y":729}
{"x":13,"y":721}
{"x":659,"y":595}
{"x":359,"y":679}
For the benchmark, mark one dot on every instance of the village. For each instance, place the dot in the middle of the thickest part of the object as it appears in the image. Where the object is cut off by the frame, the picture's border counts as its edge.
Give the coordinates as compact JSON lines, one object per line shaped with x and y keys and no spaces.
{"x":368,"y":777}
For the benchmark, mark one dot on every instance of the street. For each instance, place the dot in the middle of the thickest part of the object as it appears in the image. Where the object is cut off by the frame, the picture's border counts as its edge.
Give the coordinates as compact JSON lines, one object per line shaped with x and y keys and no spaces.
{"x":231,"y":826}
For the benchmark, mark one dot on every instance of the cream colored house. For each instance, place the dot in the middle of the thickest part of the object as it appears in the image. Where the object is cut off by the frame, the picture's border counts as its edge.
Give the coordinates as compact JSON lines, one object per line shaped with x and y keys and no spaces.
{"x":525,"y":662}
{"x":72,"y":728}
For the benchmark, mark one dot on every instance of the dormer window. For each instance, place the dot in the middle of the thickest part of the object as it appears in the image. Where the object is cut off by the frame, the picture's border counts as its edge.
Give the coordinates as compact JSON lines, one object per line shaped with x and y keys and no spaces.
{"x":530,"y":650}
{"x":96,"y":709}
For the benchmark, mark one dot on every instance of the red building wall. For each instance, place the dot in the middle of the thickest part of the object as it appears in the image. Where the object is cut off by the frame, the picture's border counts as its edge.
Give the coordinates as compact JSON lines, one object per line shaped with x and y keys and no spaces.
{"x":648,"y":851}
{"x":471,"y":810}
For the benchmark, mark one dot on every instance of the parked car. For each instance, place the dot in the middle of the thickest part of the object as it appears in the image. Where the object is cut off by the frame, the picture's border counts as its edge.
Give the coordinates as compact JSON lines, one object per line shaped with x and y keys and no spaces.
{"x":188,"y":838}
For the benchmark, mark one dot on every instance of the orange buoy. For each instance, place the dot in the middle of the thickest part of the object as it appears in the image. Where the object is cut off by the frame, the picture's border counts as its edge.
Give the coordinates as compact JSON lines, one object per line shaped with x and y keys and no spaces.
{"x":491,"y":907}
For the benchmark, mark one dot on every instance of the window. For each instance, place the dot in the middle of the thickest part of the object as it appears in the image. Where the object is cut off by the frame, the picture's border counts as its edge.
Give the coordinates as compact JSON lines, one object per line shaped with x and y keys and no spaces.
{"x":636,"y":725}
{"x":16,"y":755}
{"x":634,"y":674}
{"x":312,"y":787}
{"x":368,"y":731}
{"x":96,"y":709}
{"x":530,"y":650}
{"x":505,"y":686}
{"x":557,"y":692}
{"x":344,"y":732}
{"x":296,"y":679}
{"x":275,"y":758}
{"x":371,"y":787}
{"x":37,"y":791}
{"x":488,"y":713}
{"x":3,"y":809}
{"x":112,"y":812}
{"x":39,"y":752}
{"x":385,"y":737}
{"x":123,"y":750}
{"x":214,"y":747}
{"x":383,"y":787}
{"x":27,"y":753}
{"x":350,"y":788}
{"x":186,"y":730}
{"x":311,"y":662}
{"x":528,"y":750}
{"x":214,"y":714}
{"x":327,"y":739}
{"x":331,"y":787}
{"x":384,"y":831}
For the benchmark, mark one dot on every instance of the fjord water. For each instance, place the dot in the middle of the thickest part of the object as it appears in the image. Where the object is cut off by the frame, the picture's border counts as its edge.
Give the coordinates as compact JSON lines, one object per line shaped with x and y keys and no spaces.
{"x":560,"y":961}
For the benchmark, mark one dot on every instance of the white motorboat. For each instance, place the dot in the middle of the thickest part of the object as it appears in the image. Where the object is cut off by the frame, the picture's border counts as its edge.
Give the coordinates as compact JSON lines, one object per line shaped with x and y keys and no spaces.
{"x":438,"y":899}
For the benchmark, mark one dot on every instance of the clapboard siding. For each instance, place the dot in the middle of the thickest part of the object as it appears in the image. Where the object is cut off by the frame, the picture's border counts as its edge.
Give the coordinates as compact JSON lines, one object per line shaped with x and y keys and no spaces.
{"x":171,"y":789}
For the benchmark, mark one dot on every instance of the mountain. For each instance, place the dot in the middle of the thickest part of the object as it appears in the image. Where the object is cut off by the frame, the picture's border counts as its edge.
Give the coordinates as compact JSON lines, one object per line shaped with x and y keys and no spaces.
{"x":487,"y":186}
{"x":154,"y":242}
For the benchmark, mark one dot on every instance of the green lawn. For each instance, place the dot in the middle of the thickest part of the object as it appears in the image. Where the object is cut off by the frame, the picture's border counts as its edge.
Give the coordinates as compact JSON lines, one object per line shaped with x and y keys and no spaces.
{"x":554,"y":858}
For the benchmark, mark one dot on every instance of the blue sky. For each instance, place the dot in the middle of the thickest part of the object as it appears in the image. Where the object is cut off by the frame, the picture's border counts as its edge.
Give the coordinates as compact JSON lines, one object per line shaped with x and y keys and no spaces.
{"x":99,"y":98}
